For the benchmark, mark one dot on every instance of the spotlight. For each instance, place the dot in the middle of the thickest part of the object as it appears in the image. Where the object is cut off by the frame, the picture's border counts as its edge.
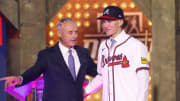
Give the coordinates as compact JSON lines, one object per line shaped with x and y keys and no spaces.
{"x":132,"y":5}
{"x":51,"y":42}
{"x":149,"y":23}
{"x":78,"y":23}
{"x":86,"y":6}
{"x":86,"y":24}
{"x":86,"y":15}
{"x":51,"y":34}
{"x":123,"y":5}
{"x":105,"y":5}
{"x":69,"y":15}
{"x":88,"y":97}
{"x":149,"y":96}
{"x":51,"y":24}
{"x":149,"y":78}
{"x":96,"y":96}
{"x":78,"y":15}
{"x":60,"y":15}
{"x":113,"y":4}
{"x":77,"y":6}
{"x":96,"y":6}
{"x":87,"y":77}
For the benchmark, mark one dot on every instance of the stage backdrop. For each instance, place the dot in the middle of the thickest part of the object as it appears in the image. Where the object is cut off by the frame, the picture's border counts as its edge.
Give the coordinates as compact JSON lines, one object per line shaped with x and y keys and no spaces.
{"x":2,"y":57}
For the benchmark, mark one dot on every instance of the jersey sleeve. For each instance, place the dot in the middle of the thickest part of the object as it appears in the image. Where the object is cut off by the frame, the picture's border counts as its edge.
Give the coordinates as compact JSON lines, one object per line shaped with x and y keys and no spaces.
{"x":142,"y":72}
{"x":143,"y":85}
{"x":141,"y":62}
{"x":96,"y":83}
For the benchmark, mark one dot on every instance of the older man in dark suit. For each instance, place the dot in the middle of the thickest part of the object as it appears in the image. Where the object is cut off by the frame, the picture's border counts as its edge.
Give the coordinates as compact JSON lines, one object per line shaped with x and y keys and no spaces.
{"x":63,"y":66}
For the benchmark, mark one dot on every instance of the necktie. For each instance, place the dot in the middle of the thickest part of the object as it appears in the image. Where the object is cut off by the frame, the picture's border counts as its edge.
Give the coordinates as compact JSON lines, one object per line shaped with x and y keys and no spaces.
{"x":71,"y":64}
{"x":112,"y":43}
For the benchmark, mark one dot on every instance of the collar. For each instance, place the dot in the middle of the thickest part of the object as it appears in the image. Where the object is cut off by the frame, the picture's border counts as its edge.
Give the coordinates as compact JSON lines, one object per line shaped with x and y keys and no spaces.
{"x":64,"y":49}
{"x":121,"y":37}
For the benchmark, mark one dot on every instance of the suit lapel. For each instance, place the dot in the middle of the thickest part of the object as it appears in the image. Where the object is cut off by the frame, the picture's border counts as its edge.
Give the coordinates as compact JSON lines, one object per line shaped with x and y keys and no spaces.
{"x":60,"y":60}
{"x":82,"y":60}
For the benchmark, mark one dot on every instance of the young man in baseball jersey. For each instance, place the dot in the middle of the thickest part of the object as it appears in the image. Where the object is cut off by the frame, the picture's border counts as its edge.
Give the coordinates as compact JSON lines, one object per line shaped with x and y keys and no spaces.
{"x":122,"y":62}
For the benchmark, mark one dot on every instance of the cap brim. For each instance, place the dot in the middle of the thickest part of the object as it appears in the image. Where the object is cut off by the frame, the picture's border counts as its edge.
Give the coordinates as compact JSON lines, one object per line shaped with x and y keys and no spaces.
{"x":107,"y":18}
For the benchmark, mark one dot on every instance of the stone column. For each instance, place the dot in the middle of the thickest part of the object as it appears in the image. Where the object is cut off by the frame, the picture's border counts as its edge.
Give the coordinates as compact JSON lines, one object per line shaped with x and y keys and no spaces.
{"x":145,"y":7}
{"x":9,"y":8}
{"x":178,"y":67}
{"x":163,"y":51}
{"x":53,"y":7}
{"x":32,"y":31}
{"x":177,"y":50}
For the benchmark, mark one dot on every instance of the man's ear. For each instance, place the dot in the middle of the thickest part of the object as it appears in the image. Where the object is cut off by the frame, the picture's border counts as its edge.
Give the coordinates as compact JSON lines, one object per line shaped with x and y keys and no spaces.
{"x":59,"y":33}
{"x":121,"y":22}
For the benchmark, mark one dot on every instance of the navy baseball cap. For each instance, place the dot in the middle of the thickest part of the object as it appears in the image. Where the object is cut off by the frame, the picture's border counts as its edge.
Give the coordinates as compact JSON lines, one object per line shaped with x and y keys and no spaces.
{"x":112,"y":13}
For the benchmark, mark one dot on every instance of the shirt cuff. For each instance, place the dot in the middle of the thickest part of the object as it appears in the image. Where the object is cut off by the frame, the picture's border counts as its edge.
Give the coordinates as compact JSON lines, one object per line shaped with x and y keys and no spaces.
{"x":21,"y":80}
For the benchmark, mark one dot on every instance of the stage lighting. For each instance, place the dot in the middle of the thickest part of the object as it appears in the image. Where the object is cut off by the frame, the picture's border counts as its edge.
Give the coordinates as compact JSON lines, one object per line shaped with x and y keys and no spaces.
{"x":132,"y":5}
{"x":51,"y":42}
{"x":96,"y":6}
{"x":60,"y":15}
{"x":149,"y":23}
{"x":96,"y":96}
{"x":123,"y":5}
{"x":78,"y":15}
{"x":87,"y":24}
{"x":78,"y":23}
{"x":69,"y":15}
{"x":105,"y":5}
{"x":113,"y":4}
{"x":51,"y":24}
{"x":77,"y":6}
{"x":86,"y":15}
{"x":86,"y":6}
{"x":51,"y":34}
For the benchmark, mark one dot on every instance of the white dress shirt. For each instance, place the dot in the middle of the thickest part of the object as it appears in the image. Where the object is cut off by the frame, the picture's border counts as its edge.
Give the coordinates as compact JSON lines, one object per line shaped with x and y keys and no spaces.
{"x":65,"y":53}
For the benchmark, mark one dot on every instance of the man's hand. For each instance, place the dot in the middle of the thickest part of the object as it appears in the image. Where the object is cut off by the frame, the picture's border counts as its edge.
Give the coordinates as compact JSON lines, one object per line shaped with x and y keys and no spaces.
{"x":11,"y":81}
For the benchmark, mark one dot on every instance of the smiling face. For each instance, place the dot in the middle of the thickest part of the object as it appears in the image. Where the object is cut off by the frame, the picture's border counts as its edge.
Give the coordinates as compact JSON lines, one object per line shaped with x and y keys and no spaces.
{"x":68,"y":34}
{"x":112,"y":27}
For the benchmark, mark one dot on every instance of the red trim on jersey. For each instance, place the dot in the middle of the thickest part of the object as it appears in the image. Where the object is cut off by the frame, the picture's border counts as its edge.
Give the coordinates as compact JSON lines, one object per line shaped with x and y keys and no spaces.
{"x":107,"y":48}
{"x":121,"y":44}
{"x":108,"y":86}
{"x":113,"y":84}
{"x":113,"y":66}
{"x":142,"y":68}
{"x":108,"y":71}
{"x":1,"y":34}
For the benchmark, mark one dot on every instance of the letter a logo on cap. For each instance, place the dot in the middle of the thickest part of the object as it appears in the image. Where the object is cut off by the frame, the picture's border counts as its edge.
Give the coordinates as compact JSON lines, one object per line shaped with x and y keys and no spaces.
{"x":106,"y":12}
{"x":119,"y":16}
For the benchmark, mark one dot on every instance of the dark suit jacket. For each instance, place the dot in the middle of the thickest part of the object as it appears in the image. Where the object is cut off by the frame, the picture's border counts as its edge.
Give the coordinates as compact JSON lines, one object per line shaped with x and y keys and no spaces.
{"x":59,"y":84}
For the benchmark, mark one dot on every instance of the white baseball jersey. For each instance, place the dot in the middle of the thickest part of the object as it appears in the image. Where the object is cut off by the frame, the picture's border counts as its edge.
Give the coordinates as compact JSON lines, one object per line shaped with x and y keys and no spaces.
{"x":123,"y":70}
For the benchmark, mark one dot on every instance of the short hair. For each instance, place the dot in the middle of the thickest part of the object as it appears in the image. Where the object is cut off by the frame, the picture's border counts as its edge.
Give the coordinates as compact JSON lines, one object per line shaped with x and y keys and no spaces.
{"x":124,"y":24}
{"x":60,"y":23}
